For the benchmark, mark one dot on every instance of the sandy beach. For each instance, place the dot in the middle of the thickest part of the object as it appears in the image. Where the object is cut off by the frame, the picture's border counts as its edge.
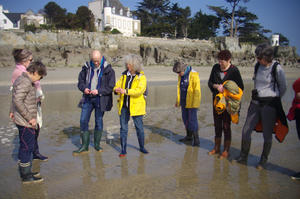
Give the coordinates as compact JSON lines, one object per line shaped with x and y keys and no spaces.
{"x":171,"y":169}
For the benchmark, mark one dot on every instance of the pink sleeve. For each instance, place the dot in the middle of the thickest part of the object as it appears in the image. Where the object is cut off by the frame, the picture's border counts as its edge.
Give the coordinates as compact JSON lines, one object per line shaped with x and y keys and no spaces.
{"x":16,"y":73}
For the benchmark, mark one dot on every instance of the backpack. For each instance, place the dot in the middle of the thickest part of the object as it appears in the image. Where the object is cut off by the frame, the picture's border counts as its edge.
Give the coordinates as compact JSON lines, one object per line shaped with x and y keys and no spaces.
{"x":273,"y":72}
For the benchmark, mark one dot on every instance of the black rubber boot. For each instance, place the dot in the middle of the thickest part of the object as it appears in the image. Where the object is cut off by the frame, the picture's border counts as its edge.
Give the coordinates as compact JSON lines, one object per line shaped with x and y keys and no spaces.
{"x":196,"y":140}
{"x":26,"y":174}
{"x":141,"y":143}
{"x":245,"y":148}
{"x":97,"y":139}
{"x":264,"y":156}
{"x":85,"y":137}
{"x":188,"y":137}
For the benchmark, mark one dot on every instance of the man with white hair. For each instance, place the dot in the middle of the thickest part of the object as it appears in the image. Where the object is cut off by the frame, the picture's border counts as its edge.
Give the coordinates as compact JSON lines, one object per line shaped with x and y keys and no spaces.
{"x":96,"y":81}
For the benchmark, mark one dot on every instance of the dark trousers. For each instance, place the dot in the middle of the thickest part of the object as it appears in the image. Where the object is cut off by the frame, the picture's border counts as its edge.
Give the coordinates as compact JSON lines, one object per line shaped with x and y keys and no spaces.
{"x":27,"y":141}
{"x":297,"y":118}
{"x":222,"y":122}
{"x":257,"y":112}
{"x":36,"y":145}
{"x":189,"y":117}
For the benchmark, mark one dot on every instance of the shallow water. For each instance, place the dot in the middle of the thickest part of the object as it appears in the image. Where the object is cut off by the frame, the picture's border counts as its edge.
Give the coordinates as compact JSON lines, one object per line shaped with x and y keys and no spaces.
{"x":171,"y":170}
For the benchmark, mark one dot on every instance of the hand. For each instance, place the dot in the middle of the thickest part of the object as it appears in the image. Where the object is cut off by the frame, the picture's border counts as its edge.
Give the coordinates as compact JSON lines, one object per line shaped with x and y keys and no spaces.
{"x":220,"y":88}
{"x":11,"y":116}
{"x":122,"y":91}
{"x":32,"y":122}
{"x":94,"y":92}
{"x":87,"y":91}
{"x":118,"y":90}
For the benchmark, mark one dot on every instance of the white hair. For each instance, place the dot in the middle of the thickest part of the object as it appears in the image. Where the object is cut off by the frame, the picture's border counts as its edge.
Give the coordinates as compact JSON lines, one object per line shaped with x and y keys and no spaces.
{"x":135,"y":61}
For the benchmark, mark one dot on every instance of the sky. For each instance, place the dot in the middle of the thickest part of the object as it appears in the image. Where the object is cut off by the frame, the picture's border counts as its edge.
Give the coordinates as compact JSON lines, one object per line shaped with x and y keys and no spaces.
{"x":279,"y":16}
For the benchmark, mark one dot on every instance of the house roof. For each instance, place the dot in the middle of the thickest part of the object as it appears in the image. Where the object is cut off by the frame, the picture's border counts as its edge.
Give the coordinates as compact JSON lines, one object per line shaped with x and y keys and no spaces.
{"x":115,"y":3}
{"x":13,"y":17}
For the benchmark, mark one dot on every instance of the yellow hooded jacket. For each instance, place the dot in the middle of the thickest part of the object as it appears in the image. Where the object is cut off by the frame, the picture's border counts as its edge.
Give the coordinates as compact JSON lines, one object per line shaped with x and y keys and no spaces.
{"x":137,"y":104}
{"x":193,"y":96}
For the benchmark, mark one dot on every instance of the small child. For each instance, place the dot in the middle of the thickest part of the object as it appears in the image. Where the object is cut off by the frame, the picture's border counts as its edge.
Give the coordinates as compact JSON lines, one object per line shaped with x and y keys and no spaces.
{"x":24,"y":107}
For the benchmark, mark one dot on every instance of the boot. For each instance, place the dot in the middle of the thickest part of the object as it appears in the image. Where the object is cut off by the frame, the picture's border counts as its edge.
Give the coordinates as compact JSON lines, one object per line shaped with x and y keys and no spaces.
{"x":36,"y":152}
{"x":85,"y":137}
{"x":216,"y":149}
{"x":26,"y":174}
{"x":123,"y":141}
{"x":264,"y":156}
{"x":97,"y":139}
{"x":188,"y":137}
{"x":141,"y":143}
{"x":196,"y":141}
{"x":225,"y":153}
{"x":245,"y":148}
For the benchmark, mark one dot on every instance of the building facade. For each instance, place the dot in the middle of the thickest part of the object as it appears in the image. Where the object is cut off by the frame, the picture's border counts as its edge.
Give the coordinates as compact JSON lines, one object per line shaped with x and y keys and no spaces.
{"x":111,"y":14}
{"x":9,"y":20}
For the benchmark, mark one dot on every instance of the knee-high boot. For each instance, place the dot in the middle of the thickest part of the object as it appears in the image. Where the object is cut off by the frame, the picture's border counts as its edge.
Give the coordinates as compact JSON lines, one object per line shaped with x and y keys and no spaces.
{"x":217,"y":146}
{"x":264,"y":156}
{"x":85,"y":137}
{"x":196,"y":140}
{"x":26,"y":175}
{"x":225,"y":153}
{"x":97,"y":139}
{"x":245,"y":148}
{"x":188,"y":137}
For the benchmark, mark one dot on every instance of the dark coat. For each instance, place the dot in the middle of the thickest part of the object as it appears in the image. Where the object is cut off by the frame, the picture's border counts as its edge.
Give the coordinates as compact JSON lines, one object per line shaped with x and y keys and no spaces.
{"x":107,"y":84}
{"x":233,"y":74}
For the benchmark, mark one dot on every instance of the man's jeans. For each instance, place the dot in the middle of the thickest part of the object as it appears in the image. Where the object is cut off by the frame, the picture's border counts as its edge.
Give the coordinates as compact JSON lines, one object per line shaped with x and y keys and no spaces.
{"x":86,"y":112}
{"x":138,"y":123}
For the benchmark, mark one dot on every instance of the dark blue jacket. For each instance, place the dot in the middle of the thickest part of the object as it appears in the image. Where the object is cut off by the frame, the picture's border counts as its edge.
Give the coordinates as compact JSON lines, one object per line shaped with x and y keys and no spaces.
{"x":107,"y":84}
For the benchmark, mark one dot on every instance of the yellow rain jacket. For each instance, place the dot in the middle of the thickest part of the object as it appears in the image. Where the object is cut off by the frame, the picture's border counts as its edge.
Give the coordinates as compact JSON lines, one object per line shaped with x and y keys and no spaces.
{"x":137,"y":104}
{"x":230,"y":100}
{"x":193,"y":96}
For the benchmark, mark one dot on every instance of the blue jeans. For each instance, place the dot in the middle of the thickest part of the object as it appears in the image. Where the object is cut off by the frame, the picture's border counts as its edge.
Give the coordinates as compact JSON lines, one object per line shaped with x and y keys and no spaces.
{"x":189,"y":117}
{"x":27,"y":142}
{"x":86,"y":112}
{"x":138,"y":123}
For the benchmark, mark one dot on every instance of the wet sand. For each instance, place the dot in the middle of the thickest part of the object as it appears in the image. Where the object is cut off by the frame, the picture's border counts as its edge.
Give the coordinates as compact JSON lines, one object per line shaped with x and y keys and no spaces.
{"x":171,"y":169}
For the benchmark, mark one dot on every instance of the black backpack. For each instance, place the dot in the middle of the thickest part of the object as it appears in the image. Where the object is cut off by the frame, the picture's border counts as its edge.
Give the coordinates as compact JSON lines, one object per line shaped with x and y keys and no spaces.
{"x":273,"y":72}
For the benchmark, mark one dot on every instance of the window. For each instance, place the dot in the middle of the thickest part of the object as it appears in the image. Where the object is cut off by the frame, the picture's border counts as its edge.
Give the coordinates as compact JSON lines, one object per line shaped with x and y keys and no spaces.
{"x":4,"y":21}
{"x":113,"y":10}
{"x":15,"y":25}
{"x":121,"y":11}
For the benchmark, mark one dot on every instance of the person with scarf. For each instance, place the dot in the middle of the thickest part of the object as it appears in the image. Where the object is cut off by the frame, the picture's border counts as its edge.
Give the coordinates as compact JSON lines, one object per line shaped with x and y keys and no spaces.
{"x":220,"y":73}
{"x":131,"y":88}
{"x":96,"y":81}
{"x":23,"y":58}
{"x":189,"y":98}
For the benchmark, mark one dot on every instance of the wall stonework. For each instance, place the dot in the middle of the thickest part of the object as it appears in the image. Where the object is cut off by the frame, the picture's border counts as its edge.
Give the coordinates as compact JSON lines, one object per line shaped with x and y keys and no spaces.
{"x":71,"y":49}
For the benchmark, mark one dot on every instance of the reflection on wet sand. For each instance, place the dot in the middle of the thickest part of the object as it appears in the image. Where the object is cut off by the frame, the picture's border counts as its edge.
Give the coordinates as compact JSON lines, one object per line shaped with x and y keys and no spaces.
{"x":171,"y":170}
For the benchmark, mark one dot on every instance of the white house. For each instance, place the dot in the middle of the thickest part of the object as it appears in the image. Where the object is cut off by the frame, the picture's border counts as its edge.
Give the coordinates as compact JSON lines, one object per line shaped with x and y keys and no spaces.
{"x":31,"y":18}
{"x":112,"y":14}
{"x":9,"y":20}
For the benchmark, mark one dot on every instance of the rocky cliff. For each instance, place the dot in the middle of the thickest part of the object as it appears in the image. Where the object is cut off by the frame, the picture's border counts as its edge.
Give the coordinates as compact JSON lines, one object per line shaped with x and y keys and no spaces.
{"x":71,"y":49}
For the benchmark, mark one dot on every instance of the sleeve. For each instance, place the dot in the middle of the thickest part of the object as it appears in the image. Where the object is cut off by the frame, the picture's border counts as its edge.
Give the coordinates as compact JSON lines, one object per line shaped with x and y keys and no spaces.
{"x":140,"y":89}
{"x":281,"y":80}
{"x":20,"y":92}
{"x":81,"y":81}
{"x":238,"y":78}
{"x":108,"y":88}
{"x":118,"y":84}
{"x":211,"y":79}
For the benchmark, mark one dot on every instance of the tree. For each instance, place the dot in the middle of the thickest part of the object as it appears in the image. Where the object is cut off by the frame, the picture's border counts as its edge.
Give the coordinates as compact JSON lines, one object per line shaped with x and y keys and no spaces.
{"x":153,"y":16}
{"x":203,"y":26}
{"x":179,"y":19}
{"x":55,"y":14}
{"x":283,"y":41}
{"x":228,"y":18}
{"x":86,"y":19}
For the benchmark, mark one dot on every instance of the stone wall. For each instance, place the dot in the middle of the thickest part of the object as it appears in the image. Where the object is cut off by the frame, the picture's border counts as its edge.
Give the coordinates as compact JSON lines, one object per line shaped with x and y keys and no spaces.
{"x":71,"y":49}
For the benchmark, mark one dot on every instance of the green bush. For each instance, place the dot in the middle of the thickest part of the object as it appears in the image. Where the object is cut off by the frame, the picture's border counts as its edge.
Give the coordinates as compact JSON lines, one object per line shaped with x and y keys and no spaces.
{"x":30,"y":28}
{"x":115,"y":31}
